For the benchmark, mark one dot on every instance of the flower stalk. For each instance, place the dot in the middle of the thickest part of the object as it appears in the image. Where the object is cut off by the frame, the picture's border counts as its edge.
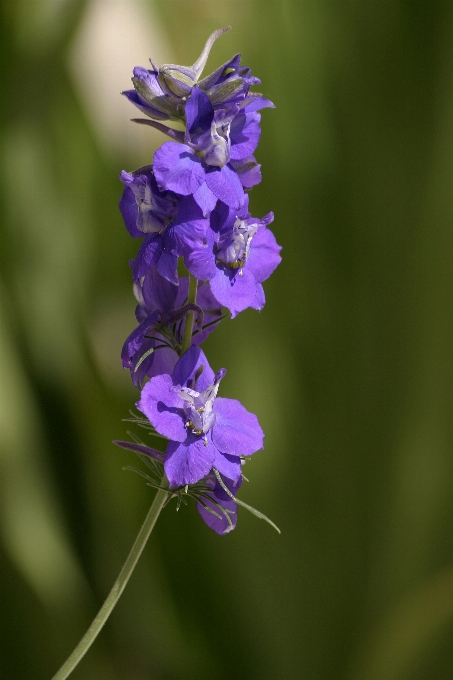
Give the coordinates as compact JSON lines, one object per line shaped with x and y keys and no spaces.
{"x":118,"y":587}
{"x":188,"y":328}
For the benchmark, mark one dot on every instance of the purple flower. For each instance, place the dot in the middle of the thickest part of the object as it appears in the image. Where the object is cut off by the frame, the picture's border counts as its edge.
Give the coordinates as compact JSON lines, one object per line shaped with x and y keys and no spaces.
{"x":204,"y":166}
{"x":161,"y":305}
{"x":171,"y":224}
{"x":218,"y":521}
{"x":145,"y":209}
{"x":205,"y":431}
{"x":238,"y":254}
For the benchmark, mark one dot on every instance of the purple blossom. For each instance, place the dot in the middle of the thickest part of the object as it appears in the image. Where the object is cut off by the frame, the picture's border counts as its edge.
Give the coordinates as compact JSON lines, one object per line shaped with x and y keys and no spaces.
{"x":171,"y":224}
{"x":205,"y":431}
{"x":237,"y":255}
{"x":215,"y":142}
{"x":145,"y":209}
{"x":218,"y":521}
{"x":160,"y":306}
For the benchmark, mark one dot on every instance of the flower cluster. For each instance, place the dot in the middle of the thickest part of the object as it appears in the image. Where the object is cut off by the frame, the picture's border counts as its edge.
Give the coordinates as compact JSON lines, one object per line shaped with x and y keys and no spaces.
{"x":192,"y":203}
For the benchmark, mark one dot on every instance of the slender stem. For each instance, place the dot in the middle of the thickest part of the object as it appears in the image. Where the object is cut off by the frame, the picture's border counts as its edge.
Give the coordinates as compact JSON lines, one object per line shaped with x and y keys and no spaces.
{"x":188,"y":328}
{"x":120,"y":583}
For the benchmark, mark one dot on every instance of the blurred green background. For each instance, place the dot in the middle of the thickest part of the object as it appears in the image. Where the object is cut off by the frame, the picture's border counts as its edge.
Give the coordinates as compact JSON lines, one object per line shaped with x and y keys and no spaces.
{"x":349,"y":367}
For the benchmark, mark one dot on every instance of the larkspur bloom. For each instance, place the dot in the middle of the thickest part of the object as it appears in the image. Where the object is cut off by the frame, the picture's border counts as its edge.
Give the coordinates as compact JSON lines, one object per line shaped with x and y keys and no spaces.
{"x":203,"y":166}
{"x":205,"y":431}
{"x":171,"y":224}
{"x":145,"y":209}
{"x":237,"y":255}
{"x":161,"y":307}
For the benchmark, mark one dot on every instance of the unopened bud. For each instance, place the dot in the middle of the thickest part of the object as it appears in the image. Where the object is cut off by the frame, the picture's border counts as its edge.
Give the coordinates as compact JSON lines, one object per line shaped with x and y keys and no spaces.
{"x":177,"y":80}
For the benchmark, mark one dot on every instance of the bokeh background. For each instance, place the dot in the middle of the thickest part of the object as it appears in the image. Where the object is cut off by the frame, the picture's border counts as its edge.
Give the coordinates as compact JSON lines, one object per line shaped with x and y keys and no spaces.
{"x":349,"y":366}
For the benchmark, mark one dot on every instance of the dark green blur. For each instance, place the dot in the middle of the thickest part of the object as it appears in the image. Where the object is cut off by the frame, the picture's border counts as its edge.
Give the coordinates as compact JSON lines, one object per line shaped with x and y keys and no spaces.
{"x":349,"y":367}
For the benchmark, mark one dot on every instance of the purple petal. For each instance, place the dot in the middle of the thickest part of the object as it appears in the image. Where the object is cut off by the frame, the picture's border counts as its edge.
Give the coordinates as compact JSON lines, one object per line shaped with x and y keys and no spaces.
{"x":212,"y":312}
{"x":167,"y":266}
{"x":129,"y":211}
{"x":163,"y":408}
{"x":158,"y":292}
{"x":225,"y":184}
{"x":229,"y":466}
{"x":187,"y":366}
{"x":264,"y":254}
{"x":176,"y":167}
{"x":183,"y":288}
{"x":218,"y":75}
{"x":138,"y":448}
{"x":163,"y":361}
{"x":220,"y":525}
{"x":199,"y":112}
{"x":201,"y":263}
{"x":205,"y":199}
{"x":188,"y":211}
{"x":260,"y":299}
{"x":223,"y":217}
{"x":258,"y":103}
{"x":141,"y":104}
{"x":190,"y":461}
{"x":208,"y":303}
{"x":200,"y":260}
{"x":188,"y":229}
{"x":233,"y":290}
{"x":249,"y":171}
{"x":236,"y":431}
{"x":147,"y":256}
{"x":244,"y":134}
{"x":134,"y":341}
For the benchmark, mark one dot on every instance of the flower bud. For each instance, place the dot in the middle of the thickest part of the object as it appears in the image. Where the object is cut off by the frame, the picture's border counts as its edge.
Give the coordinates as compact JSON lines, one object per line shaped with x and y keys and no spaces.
{"x":177,"y":80}
{"x":150,"y":97}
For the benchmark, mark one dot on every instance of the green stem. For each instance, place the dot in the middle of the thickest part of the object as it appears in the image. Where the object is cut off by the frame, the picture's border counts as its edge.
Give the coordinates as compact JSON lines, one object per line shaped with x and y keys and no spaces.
{"x":119,"y":585}
{"x":188,"y":328}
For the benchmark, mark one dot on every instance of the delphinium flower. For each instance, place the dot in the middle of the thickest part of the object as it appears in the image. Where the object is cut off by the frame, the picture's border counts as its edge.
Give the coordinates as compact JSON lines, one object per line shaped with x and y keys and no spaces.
{"x":190,"y":207}
{"x":204,"y":431}
{"x":201,"y":164}
{"x":237,"y":254}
